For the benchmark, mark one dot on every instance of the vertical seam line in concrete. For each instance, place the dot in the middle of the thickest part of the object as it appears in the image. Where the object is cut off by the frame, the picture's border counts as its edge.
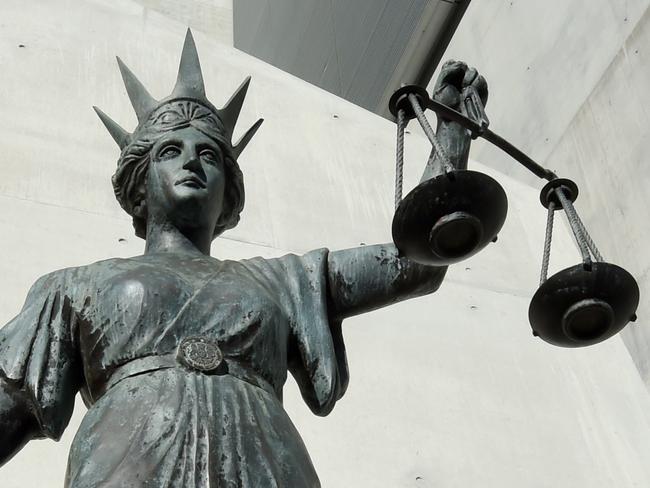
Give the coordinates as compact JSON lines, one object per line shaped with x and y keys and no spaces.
{"x":580,"y":107}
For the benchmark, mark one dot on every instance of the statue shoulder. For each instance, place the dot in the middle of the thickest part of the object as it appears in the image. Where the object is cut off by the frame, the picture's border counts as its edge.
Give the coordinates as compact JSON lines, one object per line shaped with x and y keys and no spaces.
{"x":287,"y":263}
{"x":77,"y":277}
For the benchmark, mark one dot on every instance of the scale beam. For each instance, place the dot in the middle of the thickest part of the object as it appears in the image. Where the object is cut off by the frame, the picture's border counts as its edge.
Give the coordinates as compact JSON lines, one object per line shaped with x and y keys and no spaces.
{"x":457,"y":212}
{"x":480,"y":131}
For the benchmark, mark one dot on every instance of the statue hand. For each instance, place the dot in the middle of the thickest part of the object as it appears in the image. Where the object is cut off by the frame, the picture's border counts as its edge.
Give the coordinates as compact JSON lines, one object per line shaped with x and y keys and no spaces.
{"x":454,"y":77}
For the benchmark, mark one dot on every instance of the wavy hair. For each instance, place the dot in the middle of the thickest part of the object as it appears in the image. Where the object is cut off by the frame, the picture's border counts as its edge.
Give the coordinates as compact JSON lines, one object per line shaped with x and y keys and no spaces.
{"x":129,"y":180}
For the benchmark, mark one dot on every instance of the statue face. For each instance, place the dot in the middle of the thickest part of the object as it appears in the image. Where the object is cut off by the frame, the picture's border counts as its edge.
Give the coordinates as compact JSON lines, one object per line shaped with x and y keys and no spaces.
{"x":186,"y":180}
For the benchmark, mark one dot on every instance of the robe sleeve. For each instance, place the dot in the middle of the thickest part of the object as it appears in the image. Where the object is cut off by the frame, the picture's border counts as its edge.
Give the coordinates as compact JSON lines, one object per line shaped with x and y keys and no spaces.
{"x":37,"y":354}
{"x":317,"y":359}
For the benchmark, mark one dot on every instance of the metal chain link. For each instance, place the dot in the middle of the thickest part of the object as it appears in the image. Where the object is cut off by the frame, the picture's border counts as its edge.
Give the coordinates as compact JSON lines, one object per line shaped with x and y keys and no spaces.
{"x":547,"y":243}
{"x":574,"y":222}
{"x":399,"y":165}
{"x":431,"y":135}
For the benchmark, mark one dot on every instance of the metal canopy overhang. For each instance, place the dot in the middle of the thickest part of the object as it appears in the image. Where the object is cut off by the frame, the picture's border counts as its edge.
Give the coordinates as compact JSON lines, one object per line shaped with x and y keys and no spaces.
{"x":361,"y":50}
{"x":425,"y":49}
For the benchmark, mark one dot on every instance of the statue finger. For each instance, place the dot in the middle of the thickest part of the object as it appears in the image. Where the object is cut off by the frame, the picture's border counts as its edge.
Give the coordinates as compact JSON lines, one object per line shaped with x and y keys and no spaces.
{"x":481,"y":86}
{"x":452,"y":73}
{"x":470,"y":76}
{"x":447,"y":95}
{"x":448,"y":63}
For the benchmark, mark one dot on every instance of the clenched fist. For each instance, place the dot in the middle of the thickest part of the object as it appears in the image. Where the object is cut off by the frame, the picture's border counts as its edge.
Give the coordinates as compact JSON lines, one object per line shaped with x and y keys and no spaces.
{"x":454,"y":77}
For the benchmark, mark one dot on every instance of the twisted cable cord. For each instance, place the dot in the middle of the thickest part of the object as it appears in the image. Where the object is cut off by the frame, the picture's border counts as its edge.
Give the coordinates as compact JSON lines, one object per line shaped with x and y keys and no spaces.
{"x":399,"y":165}
{"x":547,"y":242}
{"x":590,"y":243}
{"x":431,"y":135}
{"x":575,"y":225}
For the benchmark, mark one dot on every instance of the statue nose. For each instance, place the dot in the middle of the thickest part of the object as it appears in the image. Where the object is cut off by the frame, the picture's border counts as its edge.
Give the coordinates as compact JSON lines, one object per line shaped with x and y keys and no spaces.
{"x":192,"y":162}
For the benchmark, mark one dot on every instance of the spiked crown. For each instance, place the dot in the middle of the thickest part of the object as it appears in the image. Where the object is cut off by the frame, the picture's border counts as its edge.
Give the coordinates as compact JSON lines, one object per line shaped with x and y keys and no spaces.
{"x":189,"y":87}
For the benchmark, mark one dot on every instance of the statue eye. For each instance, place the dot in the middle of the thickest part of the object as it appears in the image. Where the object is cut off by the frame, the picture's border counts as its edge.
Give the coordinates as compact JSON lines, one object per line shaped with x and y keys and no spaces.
{"x":169,"y":151}
{"x":209,"y":155}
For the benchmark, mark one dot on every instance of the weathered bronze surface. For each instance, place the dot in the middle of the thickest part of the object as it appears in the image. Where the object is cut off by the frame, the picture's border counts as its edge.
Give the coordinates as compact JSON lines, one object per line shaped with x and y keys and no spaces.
{"x":181,"y":358}
{"x":580,"y":307}
{"x":454,"y":212}
{"x":450,"y":217}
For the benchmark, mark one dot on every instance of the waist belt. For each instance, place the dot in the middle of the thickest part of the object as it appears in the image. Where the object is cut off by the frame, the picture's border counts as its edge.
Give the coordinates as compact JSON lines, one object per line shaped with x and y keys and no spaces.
{"x":196,"y":354}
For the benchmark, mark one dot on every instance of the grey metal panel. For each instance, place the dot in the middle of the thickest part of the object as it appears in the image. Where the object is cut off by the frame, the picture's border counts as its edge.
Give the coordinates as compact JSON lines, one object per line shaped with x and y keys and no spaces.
{"x":252,"y":13}
{"x":385,"y":47}
{"x":353,"y":32}
{"x":315,"y":45}
{"x":352,"y":48}
{"x":330,"y":78}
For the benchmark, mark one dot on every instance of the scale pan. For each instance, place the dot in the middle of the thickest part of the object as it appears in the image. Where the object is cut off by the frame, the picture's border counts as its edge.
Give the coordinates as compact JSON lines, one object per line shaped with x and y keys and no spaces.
{"x":577,"y":307}
{"x":450,"y":217}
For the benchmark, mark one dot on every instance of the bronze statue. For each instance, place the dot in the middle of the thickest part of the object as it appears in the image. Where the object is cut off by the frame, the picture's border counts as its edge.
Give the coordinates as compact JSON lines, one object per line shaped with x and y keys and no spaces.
{"x":181,"y":358}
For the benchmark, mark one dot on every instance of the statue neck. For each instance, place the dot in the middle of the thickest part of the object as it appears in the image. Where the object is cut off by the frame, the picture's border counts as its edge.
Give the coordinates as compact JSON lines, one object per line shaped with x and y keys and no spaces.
{"x":167,"y":238}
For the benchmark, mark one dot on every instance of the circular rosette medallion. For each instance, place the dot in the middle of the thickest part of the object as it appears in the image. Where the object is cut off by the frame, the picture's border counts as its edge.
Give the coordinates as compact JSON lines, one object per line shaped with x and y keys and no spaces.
{"x":200,"y":354}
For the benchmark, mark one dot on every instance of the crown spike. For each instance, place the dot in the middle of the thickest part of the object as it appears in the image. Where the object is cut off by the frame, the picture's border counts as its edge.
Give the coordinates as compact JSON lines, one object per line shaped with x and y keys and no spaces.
{"x":119,"y":135}
{"x":245,"y":139}
{"x":189,"y":82}
{"x":189,"y":85}
{"x":231,"y":110}
{"x":142,"y":102}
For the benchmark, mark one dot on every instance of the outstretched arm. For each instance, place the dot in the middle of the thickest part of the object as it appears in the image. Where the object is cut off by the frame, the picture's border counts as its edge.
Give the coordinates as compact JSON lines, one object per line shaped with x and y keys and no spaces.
{"x":18,"y":425}
{"x":369,"y":277}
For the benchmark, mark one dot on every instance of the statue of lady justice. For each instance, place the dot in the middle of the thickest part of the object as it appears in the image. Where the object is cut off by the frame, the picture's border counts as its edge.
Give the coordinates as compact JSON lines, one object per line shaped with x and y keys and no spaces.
{"x":181,"y":358}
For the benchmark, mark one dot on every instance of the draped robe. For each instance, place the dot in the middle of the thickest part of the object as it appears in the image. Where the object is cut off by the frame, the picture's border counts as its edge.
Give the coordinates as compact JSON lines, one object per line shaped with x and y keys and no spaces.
{"x":170,"y":426}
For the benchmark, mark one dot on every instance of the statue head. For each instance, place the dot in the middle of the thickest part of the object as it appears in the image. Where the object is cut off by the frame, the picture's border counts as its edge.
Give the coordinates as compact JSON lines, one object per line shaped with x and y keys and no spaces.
{"x":192,"y":140}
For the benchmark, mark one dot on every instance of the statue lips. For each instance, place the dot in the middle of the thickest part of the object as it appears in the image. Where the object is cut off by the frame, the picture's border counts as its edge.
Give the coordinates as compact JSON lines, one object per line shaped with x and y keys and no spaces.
{"x":191,"y":180}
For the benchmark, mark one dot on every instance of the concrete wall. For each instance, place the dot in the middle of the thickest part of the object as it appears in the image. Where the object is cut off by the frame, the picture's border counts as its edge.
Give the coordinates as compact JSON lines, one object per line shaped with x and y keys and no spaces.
{"x":606,"y":147}
{"x":542,"y":60}
{"x":449,"y":390}
{"x":569,"y":85}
